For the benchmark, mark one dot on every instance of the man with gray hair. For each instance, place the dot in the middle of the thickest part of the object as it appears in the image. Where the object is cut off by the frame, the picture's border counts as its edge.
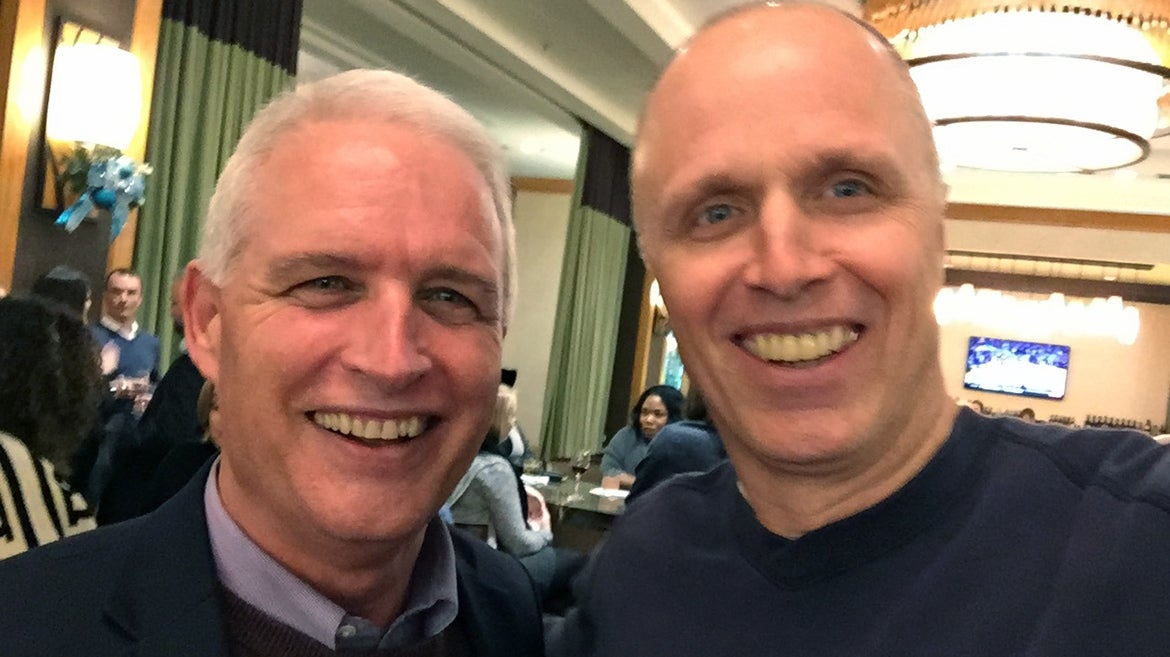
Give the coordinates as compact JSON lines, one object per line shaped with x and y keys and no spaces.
{"x":787,"y":198}
{"x":349,"y":304}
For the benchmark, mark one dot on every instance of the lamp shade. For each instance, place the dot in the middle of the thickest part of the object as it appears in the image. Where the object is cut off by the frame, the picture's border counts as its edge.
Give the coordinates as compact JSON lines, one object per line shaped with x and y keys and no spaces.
{"x":95,"y":95}
{"x":1044,"y":88}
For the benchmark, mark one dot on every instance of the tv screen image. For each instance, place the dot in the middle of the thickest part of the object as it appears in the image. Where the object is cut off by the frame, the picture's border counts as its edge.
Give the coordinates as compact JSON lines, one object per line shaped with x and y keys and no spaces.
{"x":1017,"y":367}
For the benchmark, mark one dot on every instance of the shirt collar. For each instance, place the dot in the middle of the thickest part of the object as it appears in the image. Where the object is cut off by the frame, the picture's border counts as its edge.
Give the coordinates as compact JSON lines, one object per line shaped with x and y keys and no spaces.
{"x":431,"y":604}
{"x":126,"y":331}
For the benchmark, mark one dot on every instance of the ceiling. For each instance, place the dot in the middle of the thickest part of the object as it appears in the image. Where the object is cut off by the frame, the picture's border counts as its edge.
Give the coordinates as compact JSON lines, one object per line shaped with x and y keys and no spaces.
{"x":527,"y":69}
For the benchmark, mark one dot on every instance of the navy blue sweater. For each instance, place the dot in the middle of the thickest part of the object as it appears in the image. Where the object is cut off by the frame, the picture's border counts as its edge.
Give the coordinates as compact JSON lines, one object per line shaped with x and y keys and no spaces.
{"x":1016,"y":539}
{"x":135,"y":357}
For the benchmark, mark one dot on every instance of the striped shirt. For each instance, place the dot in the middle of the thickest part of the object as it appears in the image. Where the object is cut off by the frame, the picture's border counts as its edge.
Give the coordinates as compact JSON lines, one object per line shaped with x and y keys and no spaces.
{"x":34,"y":508}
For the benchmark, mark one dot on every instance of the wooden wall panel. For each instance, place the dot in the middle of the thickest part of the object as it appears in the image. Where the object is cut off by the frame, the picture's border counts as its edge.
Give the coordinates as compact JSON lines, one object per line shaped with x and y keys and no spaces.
{"x":21,"y":42}
{"x":1149,"y":223}
{"x":144,"y":44}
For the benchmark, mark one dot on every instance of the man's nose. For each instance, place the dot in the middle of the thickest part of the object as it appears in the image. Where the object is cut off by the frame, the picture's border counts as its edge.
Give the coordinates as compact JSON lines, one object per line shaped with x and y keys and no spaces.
{"x":786,"y":255}
{"x":384,"y":341}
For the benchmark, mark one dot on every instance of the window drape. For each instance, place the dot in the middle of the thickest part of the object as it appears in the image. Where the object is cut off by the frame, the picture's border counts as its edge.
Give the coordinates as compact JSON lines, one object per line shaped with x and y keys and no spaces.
{"x":589,"y":300}
{"x":219,"y":61}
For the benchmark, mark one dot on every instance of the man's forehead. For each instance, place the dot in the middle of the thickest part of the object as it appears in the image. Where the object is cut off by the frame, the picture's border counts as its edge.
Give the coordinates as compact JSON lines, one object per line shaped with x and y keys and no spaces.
{"x":790,"y":35}
{"x":778,"y":63}
{"x":123,"y":281}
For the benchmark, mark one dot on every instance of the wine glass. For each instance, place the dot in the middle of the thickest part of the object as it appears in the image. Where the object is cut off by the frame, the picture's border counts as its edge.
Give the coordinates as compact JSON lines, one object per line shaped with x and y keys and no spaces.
{"x":580,"y":465}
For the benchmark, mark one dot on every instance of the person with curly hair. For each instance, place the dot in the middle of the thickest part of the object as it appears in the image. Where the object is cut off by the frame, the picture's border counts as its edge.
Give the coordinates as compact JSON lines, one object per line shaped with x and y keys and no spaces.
{"x":49,"y":387}
{"x":657,"y":407}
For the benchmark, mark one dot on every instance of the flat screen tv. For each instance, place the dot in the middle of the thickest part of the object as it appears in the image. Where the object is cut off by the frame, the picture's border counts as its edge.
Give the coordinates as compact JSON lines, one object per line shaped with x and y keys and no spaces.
{"x":1016,"y":367}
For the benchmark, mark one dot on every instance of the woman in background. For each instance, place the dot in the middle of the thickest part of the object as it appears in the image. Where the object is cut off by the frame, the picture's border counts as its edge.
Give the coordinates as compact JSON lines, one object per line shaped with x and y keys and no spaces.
{"x":490,"y":501}
{"x":692,"y":445}
{"x":50,"y":384}
{"x":656,"y":407}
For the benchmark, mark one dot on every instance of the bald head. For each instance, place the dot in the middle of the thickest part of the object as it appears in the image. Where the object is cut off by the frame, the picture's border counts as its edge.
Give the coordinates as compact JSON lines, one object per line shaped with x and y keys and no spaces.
{"x":746,"y":52}
{"x":787,"y":199}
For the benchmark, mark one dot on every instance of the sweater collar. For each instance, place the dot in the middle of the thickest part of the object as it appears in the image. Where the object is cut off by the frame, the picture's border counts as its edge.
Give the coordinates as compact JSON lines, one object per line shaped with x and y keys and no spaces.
{"x":128,"y":331}
{"x":871,"y":533}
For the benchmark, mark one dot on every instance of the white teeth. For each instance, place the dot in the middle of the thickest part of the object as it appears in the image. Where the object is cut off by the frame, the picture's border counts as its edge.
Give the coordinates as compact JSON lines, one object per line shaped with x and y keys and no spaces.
{"x":789,"y":348}
{"x":371,"y":429}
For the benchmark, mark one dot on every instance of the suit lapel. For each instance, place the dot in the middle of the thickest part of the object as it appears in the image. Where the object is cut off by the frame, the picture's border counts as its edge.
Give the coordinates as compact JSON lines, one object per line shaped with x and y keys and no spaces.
{"x":167,"y":598}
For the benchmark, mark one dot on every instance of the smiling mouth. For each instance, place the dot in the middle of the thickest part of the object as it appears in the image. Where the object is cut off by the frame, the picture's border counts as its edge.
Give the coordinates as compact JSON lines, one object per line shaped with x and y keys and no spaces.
{"x":372,"y":429}
{"x":801,"y":348}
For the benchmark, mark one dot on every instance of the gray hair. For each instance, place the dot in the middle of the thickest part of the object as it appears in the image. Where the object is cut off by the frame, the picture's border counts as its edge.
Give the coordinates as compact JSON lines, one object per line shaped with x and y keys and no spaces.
{"x":367,"y":95}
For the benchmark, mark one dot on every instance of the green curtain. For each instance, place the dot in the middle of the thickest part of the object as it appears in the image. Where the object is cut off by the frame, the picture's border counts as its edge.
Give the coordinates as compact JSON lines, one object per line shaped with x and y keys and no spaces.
{"x":218,"y":63}
{"x":588,"y":308}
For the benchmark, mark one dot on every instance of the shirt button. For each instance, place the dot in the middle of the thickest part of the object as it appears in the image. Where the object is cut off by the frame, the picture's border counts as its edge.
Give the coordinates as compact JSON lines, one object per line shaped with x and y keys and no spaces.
{"x":346,"y":631}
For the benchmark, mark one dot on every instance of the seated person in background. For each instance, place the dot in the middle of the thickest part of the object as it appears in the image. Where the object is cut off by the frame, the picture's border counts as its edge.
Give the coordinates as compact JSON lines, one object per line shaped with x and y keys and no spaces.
{"x":490,"y":501}
{"x":49,"y":388}
{"x":692,"y":445}
{"x":1028,"y":415}
{"x":656,"y":407}
{"x":513,"y":443}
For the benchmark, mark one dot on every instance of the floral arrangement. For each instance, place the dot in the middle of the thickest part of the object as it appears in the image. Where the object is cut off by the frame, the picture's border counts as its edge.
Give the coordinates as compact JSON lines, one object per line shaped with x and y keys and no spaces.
{"x":106,"y":179}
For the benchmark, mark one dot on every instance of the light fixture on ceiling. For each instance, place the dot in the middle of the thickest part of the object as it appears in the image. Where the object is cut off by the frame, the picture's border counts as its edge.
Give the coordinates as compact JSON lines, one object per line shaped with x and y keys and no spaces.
{"x":1026,"y":85}
{"x":1037,"y":316}
{"x":95,"y":102}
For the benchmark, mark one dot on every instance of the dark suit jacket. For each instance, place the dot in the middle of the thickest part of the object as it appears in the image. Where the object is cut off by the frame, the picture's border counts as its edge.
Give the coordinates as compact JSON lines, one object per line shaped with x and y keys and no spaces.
{"x":147,"y":587}
{"x":170,"y":420}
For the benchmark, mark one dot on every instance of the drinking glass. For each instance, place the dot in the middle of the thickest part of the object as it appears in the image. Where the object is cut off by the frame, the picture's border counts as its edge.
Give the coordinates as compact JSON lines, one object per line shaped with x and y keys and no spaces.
{"x":580,"y":465}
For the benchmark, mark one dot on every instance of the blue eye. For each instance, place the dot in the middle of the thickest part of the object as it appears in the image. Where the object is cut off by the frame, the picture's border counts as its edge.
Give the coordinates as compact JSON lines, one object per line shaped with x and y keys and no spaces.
{"x":449,"y":306}
{"x":325,"y":291}
{"x":326,"y":283}
{"x":717,"y":213}
{"x":450,"y":296}
{"x":849,"y":188}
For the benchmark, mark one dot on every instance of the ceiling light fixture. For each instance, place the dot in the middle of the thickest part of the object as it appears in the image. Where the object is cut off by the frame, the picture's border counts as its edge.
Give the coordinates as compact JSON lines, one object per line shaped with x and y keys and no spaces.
{"x":1039,"y":317}
{"x":1026,"y":85}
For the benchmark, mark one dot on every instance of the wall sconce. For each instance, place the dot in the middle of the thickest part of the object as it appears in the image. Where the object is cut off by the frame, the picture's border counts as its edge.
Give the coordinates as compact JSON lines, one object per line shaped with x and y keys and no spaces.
{"x":95,"y":105}
{"x":95,"y":95}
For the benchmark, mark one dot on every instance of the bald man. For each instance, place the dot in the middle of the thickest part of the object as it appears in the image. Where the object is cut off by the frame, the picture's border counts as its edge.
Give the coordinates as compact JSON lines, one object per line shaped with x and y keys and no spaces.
{"x":787,"y":197}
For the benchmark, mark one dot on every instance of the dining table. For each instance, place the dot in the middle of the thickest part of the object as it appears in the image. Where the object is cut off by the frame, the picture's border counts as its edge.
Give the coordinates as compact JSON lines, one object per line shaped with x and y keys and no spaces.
{"x":582,"y":513}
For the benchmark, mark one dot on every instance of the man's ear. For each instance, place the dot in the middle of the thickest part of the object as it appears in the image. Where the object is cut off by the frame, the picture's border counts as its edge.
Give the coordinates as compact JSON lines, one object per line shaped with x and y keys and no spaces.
{"x":201,"y":316}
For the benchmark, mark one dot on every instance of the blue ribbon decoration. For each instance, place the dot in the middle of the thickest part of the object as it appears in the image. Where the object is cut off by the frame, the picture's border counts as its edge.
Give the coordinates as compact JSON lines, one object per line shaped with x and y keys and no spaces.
{"x":115,"y":184}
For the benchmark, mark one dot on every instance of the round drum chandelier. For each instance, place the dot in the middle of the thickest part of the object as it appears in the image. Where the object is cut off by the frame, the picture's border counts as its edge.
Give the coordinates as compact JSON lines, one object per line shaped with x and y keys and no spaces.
{"x":1024,"y":85}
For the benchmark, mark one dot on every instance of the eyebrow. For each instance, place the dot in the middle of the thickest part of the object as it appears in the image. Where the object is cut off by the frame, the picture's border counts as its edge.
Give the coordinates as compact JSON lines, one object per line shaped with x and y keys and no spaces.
{"x":711,"y":184}
{"x":838,"y":159}
{"x":292,"y":266}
